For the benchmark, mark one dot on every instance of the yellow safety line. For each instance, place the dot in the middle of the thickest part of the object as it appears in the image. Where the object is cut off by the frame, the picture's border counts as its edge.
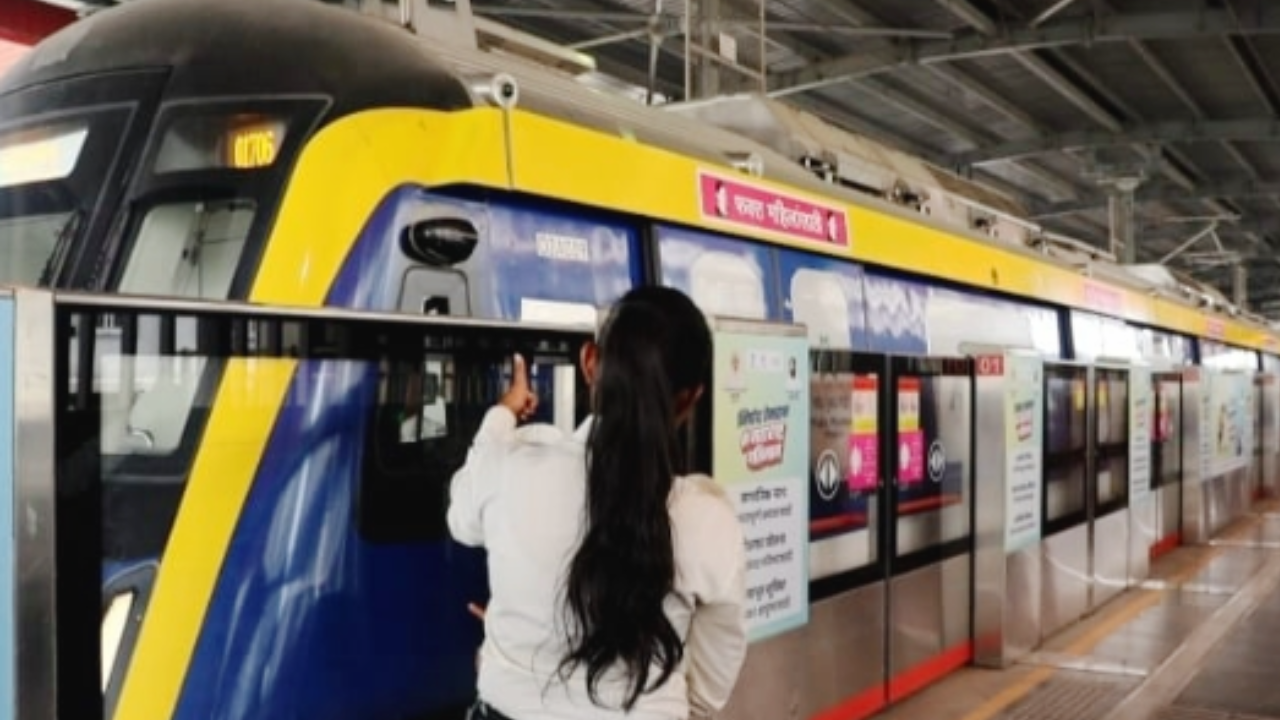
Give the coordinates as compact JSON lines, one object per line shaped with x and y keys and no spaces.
{"x":1082,"y":645}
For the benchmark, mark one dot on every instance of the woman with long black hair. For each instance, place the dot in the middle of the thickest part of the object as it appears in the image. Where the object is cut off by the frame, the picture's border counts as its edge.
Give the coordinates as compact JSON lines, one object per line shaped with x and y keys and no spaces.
{"x":617,"y":583}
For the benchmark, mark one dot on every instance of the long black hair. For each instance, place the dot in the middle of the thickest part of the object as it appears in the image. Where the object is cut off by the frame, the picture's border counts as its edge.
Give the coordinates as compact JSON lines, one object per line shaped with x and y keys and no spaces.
{"x":654,"y":346}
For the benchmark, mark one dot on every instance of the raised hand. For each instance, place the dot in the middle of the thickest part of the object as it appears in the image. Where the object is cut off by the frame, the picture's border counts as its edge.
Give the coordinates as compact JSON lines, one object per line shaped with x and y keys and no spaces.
{"x":519,"y":398}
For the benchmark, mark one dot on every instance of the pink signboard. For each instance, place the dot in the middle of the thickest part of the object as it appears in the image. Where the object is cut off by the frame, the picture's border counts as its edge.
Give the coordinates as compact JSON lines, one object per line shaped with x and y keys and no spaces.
{"x":911,"y":457}
{"x":910,"y":434}
{"x":725,"y":199}
{"x":1103,"y":298}
{"x":864,"y":451}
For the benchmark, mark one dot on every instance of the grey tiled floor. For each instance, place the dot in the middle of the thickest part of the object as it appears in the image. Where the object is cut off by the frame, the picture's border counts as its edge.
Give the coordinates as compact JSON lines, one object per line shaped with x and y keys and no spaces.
{"x":1088,"y":669}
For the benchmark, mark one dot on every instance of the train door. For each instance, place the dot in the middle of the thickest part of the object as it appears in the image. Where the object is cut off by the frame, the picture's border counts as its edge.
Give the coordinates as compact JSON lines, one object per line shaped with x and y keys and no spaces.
{"x":1166,"y":459}
{"x":890,"y":527}
{"x":928,"y":530}
{"x":1064,"y":575}
{"x":848,"y":471}
{"x":1108,"y":503}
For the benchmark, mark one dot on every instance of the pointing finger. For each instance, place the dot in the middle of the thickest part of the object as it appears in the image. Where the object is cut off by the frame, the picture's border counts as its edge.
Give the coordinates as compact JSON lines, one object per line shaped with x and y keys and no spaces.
{"x":519,"y":374}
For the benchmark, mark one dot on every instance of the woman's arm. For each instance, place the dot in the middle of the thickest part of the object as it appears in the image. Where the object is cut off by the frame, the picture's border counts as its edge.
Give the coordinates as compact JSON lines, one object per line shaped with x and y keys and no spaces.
{"x":717,"y":642}
{"x":479,"y":477}
{"x":716,"y":649}
{"x":474,"y":483}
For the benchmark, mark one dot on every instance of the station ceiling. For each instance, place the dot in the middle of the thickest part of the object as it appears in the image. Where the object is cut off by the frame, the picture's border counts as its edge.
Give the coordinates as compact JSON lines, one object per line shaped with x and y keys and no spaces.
{"x":1048,"y":101}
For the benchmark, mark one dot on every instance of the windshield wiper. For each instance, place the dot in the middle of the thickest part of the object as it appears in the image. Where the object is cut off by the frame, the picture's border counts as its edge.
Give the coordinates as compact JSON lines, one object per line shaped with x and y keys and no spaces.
{"x":61,"y":248}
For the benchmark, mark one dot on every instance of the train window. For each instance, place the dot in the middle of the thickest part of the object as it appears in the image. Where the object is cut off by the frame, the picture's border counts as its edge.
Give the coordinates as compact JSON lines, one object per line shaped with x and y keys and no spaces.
{"x":189,"y":249}
{"x":415,"y":445}
{"x":726,"y":284}
{"x":209,"y":142}
{"x":819,"y":301}
{"x":41,"y":154}
{"x":149,"y":416}
{"x":51,"y":177}
{"x":1111,"y":427}
{"x":1065,"y":445}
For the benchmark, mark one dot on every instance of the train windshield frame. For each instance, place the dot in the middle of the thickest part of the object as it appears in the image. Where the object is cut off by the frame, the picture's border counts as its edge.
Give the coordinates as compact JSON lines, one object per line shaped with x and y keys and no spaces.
{"x":200,"y":211}
{"x":68,"y":144}
{"x":53,"y":173}
{"x":213,"y":179}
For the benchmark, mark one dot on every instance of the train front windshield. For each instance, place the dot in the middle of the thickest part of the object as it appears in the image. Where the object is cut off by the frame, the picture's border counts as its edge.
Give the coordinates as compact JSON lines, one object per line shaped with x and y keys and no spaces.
{"x":52,"y":173}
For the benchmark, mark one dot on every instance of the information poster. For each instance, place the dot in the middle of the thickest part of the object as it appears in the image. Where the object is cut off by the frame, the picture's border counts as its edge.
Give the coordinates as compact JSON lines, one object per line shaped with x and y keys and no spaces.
{"x":7,"y":478}
{"x":761,"y":455}
{"x":910,"y":434}
{"x":1228,"y":421}
{"x":1194,"y":376}
{"x":1024,"y":449}
{"x":864,"y":450}
{"x":1142,"y":416}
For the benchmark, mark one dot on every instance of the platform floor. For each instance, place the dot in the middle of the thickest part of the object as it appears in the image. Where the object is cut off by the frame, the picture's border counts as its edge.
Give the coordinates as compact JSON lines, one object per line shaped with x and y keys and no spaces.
{"x":1200,"y":640}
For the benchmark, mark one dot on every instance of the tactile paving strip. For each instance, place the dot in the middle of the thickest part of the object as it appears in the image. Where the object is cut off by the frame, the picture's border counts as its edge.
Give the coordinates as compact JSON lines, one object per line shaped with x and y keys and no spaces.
{"x":1188,"y":713}
{"x":1239,"y":676}
{"x":1070,"y":697}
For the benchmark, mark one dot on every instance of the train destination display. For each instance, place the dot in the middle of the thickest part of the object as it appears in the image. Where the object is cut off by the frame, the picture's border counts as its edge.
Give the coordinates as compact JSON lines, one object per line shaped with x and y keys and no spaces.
{"x":761,"y":455}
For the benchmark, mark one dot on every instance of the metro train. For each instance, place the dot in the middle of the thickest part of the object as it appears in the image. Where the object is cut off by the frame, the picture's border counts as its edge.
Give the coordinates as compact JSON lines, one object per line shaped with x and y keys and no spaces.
{"x":290,"y":153}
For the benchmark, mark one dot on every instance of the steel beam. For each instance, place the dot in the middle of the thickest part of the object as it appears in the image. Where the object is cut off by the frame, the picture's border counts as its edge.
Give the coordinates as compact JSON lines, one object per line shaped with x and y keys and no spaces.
{"x":1253,"y":73}
{"x":1046,"y":14}
{"x":1168,"y":192}
{"x":1118,"y":27}
{"x":635,"y":18}
{"x":1156,"y":66}
{"x":990,"y":97}
{"x":27,"y":22}
{"x":1261,"y":227}
{"x":1260,"y":129}
{"x":1069,"y":90}
{"x":938,"y":118}
{"x":976,"y":18}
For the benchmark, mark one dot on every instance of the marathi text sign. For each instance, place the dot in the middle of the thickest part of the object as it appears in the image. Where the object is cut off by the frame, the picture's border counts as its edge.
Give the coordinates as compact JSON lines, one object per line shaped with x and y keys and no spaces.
{"x":761,"y":455}
{"x":724,"y":199}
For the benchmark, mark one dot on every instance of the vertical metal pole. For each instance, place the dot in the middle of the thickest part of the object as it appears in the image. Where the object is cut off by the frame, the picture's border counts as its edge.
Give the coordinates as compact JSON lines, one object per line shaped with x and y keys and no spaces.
{"x":33,"y":502}
{"x":707,"y":80}
{"x":688,"y":50}
{"x":764,"y":49}
{"x":1120,"y":206}
{"x":1240,"y":285}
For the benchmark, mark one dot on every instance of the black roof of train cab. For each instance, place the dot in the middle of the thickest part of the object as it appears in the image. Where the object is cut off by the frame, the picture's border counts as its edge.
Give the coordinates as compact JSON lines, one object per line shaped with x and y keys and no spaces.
{"x":220,"y":48}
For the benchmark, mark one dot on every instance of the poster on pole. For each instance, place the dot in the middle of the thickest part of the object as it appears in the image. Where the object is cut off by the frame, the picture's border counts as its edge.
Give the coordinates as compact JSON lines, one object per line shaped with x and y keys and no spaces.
{"x":1142,"y":417}
{"x":1024,"y":449}
{"x":760,"y":453}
